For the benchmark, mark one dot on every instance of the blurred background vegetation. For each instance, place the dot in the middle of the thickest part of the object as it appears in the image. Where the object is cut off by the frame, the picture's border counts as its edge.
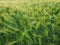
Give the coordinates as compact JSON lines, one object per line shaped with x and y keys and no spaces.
{"x":29,"y":22}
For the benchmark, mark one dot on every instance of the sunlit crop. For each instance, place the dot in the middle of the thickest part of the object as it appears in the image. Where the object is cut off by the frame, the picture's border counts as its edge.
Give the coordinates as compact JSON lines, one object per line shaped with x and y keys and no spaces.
{"x":33,"y":23}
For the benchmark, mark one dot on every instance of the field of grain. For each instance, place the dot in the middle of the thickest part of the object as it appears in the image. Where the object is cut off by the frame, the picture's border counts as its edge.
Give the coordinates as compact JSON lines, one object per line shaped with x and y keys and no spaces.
{"x":29,"y":22}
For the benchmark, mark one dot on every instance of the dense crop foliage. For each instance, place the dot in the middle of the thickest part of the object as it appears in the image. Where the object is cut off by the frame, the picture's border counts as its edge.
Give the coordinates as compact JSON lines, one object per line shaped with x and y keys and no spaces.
{"x":34,"y":24}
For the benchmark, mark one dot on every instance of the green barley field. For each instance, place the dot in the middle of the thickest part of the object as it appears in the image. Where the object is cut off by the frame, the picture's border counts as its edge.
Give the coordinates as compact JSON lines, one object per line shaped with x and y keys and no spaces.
{"x":29,"y":22}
